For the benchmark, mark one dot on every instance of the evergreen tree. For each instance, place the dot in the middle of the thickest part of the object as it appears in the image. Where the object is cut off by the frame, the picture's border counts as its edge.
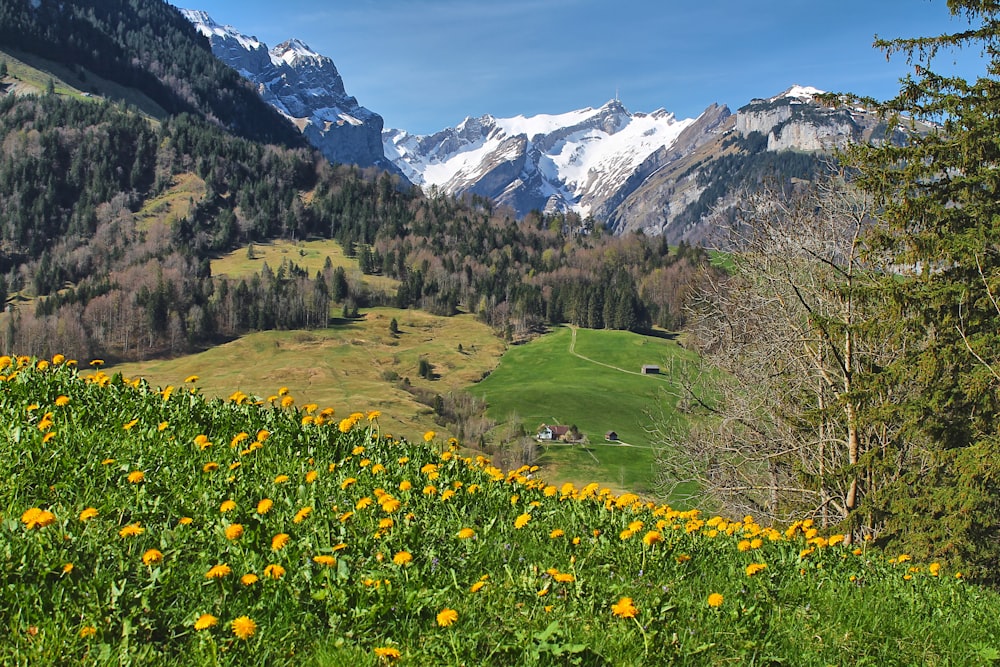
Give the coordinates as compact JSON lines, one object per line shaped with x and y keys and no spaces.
{"x":938,"y":229}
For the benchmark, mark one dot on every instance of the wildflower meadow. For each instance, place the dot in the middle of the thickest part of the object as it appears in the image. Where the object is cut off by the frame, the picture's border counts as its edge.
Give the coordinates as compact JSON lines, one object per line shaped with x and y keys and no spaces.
{"x":148,"y":525}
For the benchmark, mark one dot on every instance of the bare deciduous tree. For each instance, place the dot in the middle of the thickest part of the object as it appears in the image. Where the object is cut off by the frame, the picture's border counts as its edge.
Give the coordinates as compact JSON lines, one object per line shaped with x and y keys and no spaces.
{"x":784,"y":424}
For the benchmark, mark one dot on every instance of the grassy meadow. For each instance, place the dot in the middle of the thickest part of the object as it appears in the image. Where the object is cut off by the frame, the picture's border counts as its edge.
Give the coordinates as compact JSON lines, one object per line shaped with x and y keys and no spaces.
{"x":346,"y":366}
{"x":310,"y":255}
{"x":543,"y":382}
{"x":157,"y":527}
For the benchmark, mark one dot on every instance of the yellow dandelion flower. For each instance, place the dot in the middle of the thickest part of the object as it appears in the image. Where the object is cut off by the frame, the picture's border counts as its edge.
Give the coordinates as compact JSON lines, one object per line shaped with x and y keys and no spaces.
{"x":62,"y":401}
{"x":281,"y":479}
{"x":274,"y":571}
{"x":218,"y":571}
{"x":227,"y":506}
{"x":279,"y":541}
{"x":152,"y":557}
{"x":345,"y":516}
{"x":651,"y":538}
{"x":446,"y":617}
{"x":244,"y":627}
{"x":88,"y":514}
{"x":430,"y":490}
{"x":311,"y":476}
{"x":87,"y":631}
{"x":162,"y":426}
{"x":386,"y":653}
{"x":234,"y":531}
{"x":715,"y":600}
{"x":522,"y":520}
{"x":478,"y":586}
{"x":58,"y":359}
{"x":564,"y":577}
{"x":683,"y":558}
{"x":131,"y":530}
{"x":390,"y":505}
{"x":201,"y":440}
{"x":48,"y":436}
{"x":402,"y":558}
{"x":325,"y":560}
{"x":190,"y":379}
{"x":934,"y":569}
{"x":128,"y":425}
{"x":302,"y":514}
{"x":363,"y":503}
{"x":754,"y":568}
{"x":466,"y":533}
{"x":205,"y":621}
{"x":67,"y":568}
{"x":287,"y":402}
{"x":107,"y":462}
{"x":264,"y":506}
{"x":249,"y":579}
{"x":624,"y":608}
{"x":211,"y":466}
{"x":429,"y":435}
{"x":346,"y":483}
{"x":373,"y":415}
{"x":185,"y":521}
{"x":405,"y":485}
{"x":263,"y":435}
{"x":136,"y":477}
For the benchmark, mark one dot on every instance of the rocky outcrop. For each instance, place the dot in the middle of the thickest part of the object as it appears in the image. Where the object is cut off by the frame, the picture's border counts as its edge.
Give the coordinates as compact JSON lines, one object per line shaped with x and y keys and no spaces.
{"x":307,"y":88}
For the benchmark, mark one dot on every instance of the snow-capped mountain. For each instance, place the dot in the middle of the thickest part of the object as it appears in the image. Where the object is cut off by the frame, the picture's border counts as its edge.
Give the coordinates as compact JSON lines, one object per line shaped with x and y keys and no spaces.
{"x":572,"y":161}
{"x":304,"y":86}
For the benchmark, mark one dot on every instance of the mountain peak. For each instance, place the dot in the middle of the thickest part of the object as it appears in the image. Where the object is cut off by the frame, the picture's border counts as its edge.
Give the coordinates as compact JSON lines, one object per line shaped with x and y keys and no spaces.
{"x":293,"y":50}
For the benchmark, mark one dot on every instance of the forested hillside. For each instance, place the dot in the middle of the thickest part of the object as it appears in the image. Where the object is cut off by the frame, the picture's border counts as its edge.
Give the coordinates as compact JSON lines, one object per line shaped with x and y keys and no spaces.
{"x":92,"y":264}
{"x":146,"y":45}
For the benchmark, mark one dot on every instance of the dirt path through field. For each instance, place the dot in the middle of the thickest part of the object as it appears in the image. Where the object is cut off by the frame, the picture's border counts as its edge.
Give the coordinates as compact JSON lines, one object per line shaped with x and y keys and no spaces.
{"x":572,"y":350}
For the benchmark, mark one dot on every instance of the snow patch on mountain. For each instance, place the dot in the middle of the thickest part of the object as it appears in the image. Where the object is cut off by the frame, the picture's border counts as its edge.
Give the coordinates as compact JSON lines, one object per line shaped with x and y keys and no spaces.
{"x":304,"y":86}
{"x":569,"y":161}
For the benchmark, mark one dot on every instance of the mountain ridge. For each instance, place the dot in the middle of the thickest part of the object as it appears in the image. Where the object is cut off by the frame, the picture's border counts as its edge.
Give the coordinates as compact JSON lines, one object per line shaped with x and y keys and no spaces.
{"x":627,"y":171}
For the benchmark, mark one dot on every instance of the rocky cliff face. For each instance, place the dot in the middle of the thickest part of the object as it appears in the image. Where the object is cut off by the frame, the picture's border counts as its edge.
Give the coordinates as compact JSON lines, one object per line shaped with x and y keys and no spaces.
{"x":697,"y":181}
{"x":304,"y":86}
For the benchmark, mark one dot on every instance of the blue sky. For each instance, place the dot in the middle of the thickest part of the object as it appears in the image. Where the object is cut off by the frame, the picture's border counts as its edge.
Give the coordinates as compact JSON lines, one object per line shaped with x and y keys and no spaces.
{"x":426,"y":64}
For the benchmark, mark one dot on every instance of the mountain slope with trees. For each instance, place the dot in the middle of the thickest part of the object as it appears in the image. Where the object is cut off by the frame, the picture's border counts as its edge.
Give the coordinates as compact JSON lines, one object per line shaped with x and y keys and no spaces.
{"x":93,"y":274}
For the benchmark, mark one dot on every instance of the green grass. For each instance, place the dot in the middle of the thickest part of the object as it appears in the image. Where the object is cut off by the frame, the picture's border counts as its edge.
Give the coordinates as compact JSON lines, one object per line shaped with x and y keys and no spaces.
{"x":564,"y":576}
{"x":345,"y":366}
{"x":173,"y":204}
{"x":542,"y":382}
{"x":29,"y":74}
{"x":310,"y":255}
